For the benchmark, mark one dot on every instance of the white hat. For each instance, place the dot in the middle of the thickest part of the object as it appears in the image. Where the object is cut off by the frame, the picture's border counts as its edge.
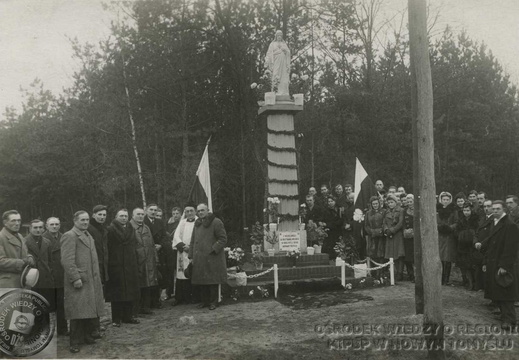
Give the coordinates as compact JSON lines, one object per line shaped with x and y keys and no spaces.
{"x":29,"y":277}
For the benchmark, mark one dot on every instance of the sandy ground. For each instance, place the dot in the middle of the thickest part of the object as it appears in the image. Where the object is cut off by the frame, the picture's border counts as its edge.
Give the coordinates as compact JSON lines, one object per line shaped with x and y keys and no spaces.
{"x":273,"y":330}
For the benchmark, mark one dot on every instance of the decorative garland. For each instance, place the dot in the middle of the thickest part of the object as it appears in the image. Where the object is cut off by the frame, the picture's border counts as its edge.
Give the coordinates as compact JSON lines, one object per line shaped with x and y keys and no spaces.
{"x":287,"y":197}
{"x":288,"y":217}
{"x":282,"y":165}
{"x":279,"y":149}
{"x":281,"y":132}
{"x":284,"y":181}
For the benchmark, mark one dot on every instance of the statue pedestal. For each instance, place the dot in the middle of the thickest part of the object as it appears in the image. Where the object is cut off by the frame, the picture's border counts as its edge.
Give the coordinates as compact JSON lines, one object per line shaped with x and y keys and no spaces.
{"x":282,"y":160}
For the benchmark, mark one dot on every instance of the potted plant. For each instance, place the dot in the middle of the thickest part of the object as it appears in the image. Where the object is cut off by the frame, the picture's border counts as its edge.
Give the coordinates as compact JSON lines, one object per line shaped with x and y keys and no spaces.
{"x":293,"y":255}
{"x":272,"y":238}
{"x":316,"y":233}
{"x":273,"y":212}
{"x":234,"y":259}
{"x":257,"y":259}
{"x":257,"y":236}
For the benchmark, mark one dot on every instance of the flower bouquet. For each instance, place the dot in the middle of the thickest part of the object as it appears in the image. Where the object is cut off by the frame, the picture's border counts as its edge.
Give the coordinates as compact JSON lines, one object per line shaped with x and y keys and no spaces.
{"x":292,"y":256}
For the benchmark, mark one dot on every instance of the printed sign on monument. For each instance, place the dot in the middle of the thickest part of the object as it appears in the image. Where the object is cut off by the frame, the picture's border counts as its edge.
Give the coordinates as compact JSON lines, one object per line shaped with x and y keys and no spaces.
{"x":289,"y":240}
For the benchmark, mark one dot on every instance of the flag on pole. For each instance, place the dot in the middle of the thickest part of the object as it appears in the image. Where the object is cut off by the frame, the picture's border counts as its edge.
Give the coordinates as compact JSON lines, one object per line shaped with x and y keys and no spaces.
{"x":201,"y":190}
{"x":364,"y":187}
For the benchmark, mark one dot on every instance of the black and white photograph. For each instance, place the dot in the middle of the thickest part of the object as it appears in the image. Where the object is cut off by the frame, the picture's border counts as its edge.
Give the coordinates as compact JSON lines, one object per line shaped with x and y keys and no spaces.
{"x":259,"y":179}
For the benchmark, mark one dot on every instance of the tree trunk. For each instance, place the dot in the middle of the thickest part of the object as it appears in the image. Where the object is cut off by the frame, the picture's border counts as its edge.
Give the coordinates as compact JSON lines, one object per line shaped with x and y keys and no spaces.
{"x":426,"y":191}
{"x":134,"y":137}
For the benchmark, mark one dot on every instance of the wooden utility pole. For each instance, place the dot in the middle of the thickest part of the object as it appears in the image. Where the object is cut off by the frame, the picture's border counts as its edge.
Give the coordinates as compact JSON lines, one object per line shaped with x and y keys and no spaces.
{"x":426,"y":191}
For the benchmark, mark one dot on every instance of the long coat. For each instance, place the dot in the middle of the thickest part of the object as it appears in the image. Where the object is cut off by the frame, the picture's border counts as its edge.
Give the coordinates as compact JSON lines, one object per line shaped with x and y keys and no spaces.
{"x":392,"y":226}
{"x":167,"y":259}
{"x":446,"y":238}
{"x":146,"y":255}
{"x":123,"y":272}
{"x":55,"y":262}
{"x":206,"y":251}
{"x":501,"y":252}
{"x":466,"y":231}
{"x":376,"y":238}
{"x":99,"y":234}
{"x":79,"y":260}
{"x":12,"y":252}
{"x":43,"y":258}
{"x":334,"y":221}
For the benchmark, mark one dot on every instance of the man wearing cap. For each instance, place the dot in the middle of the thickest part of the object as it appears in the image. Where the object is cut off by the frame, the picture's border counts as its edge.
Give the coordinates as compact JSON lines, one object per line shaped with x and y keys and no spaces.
{"x":40,"y":249}
{"x":98,"y":231}
{"x":181,"y":242}
{"x":500,"y":257}
{"x":53,"y":234}
{"x":14,"y":256}
{"x":83,"y":290}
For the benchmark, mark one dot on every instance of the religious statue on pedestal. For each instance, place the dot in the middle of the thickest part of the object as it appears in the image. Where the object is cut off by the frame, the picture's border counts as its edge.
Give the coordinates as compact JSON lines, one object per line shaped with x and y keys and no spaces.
{"x":277,"y":62}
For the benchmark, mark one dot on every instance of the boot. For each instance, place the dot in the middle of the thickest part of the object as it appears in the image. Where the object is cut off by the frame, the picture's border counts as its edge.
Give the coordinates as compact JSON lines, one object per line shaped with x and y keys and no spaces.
{"x":399,"y":270}
{"x":448,"y":267}
{"x":410,"y":271}
{"x":443,"y":272}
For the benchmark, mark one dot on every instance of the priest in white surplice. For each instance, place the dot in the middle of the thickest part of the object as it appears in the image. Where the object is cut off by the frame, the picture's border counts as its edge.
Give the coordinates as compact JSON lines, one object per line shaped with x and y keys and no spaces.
{"x":181,"y":242}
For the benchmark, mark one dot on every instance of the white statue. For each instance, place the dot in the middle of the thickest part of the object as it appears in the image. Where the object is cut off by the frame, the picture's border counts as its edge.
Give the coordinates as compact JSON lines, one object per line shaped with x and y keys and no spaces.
{"x":277,"y":62}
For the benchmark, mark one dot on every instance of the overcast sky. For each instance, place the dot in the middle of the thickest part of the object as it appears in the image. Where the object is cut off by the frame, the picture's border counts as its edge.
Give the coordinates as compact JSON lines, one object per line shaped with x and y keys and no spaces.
{"x":34,"y":36}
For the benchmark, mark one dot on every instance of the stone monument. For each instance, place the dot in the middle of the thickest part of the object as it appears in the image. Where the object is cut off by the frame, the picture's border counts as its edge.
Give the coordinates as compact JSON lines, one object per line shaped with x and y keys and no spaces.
{"x":280,"y":109}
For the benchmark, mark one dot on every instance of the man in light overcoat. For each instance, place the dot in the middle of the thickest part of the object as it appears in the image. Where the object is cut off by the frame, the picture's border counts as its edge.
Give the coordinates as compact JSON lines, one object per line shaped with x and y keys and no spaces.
{"x":14,"y":256}
{"x":83,"y":290}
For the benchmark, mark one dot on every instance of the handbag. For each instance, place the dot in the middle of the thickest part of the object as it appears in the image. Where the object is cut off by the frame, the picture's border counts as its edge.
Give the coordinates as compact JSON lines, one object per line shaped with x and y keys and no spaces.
{"x":188,"y":272}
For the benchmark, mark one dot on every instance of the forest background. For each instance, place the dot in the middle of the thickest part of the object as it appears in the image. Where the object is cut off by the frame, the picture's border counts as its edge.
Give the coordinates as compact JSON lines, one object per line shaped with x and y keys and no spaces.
{"x":174,"y":73}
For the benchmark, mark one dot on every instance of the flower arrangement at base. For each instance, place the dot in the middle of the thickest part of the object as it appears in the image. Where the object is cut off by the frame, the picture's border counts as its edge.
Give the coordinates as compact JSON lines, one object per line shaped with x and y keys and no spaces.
{"x":257,"y":259}
{"x":346,"y":249}
{"x":257,"y":234}
{"x":234,"y":257}
{"x":316,"y":233}
{"x":273,"y":209}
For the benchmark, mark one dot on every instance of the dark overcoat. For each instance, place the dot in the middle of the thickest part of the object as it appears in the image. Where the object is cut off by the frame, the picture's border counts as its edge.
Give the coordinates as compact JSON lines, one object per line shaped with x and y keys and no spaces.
{"x":333,"y":220}
{"x":13,"y":251}
{"x":100,"y":235}
{"x":123,"y":271}
{"x":446,"y":237}
{"x":43,"y":258}
{"x":206,"y":251}
{"x":146,"y":255}
{"x":500,"y":252}
{"x":79,"y":260}
{"x":376,"y":238}
{"x":55,"y":262}
{"x":392,"y":226}
{"x":166,"y":258}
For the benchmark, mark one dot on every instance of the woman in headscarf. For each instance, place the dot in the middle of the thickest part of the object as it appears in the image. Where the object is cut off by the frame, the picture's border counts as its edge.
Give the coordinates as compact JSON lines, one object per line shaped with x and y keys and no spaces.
{"x":333,"y":220}
{"x":373,"y":227}
{"x":409,"y":236}
{"x":392,"y":227}
{"x":466,"y":229}
{"x":446,"y":240}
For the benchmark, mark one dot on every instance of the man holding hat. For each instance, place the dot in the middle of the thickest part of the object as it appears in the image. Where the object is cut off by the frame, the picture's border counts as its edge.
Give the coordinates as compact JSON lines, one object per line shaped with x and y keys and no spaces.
{"x":500,"y":256}
{"x":14,"y":256}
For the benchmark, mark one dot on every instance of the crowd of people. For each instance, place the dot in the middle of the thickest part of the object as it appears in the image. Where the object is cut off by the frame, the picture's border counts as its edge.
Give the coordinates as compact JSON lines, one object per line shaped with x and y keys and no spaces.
{"x":130,"y":262}
{"x":479,"y":235}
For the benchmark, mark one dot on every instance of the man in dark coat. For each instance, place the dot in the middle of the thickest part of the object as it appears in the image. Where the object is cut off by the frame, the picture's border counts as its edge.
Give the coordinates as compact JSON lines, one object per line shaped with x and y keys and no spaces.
{"x":122,"y":288}
{"x":482,"y":235}
{"x":82,"y":283}
{"x":500,"y":257}
{"x":146,"y":258}
{"x":53,"y":234}
{"x":313,"y":211}
{"x":40,"y":249}
{"x":158,"y":231}
{"x":99,"y":233}
{"x":208,"y":257}
{"x":512,"y":203}
{"x":14,"y":256}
